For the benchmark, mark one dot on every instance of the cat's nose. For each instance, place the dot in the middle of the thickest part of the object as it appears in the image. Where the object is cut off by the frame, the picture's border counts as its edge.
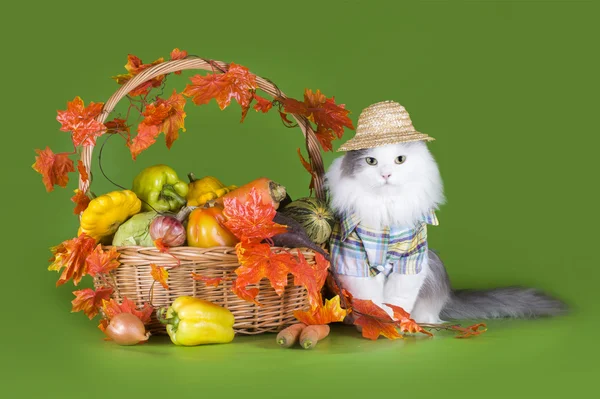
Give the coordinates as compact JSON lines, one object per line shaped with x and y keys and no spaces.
{"x":386,"y":176}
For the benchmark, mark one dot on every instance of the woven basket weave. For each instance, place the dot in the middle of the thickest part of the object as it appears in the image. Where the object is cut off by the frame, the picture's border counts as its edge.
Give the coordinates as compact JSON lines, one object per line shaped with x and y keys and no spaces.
{"x":132,"y":278}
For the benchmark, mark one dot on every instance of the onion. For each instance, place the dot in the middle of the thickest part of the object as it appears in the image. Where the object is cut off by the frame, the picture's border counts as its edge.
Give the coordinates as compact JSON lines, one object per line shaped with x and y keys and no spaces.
{"x":169,"y":229}
{"x":126,"y":329}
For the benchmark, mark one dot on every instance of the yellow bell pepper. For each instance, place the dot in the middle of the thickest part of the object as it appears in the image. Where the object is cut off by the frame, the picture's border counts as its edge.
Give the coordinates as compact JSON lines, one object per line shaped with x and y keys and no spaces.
{"x":106,"y":213}
{"x":206,"y":189}
{"x":193,"y":321}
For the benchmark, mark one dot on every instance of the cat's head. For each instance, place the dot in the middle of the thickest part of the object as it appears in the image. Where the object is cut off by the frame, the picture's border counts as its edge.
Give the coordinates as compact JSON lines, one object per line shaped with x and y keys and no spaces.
{"x":404,"y":178}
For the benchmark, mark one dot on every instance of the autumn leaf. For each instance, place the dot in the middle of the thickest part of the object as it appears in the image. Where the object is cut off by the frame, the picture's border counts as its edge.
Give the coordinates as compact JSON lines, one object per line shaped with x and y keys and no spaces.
{"x":71,"y":255}
{"x":470,"y":331}
{"x":101,"y":261}
{"x":134,"y":66}
{"x":330,"y":312}
{"x":262,"y":104}
{"x":90,"y":301}
{"x":112,"y":308}
{"x":160,"y":274}
{"x":373,"y":320}
{"x":80,"y":120}
{"x":162,"y":247}
{"x":117,"y":125}
{"x":406,"y":324}
{"x":237,"y":83}
{"x":81,"y":201}
{"x":247,"y":294}
{"x":210,"y":282}
{"x":54,"y":168}
{"x":177,"y":54}
{"x":82,"y":171}
{"x":257,"y":261}
{"x":252,"y":220}
{"x":311,"y":276}
{"x":162,"y":116}
{"x":329,"y":117}
{"x":308,"y":168}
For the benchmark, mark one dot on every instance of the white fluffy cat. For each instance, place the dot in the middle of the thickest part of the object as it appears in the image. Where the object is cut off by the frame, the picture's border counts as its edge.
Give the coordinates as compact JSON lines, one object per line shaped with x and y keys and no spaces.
{"x":395,"y":186}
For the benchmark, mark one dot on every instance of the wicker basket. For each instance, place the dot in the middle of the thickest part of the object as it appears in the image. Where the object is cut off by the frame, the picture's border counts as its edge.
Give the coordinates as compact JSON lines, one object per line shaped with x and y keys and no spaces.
{"x":132,"y":278}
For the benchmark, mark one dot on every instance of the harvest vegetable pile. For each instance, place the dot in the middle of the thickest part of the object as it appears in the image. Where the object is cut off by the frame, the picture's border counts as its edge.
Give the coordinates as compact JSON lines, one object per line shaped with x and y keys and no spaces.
{"x":162,"y":210}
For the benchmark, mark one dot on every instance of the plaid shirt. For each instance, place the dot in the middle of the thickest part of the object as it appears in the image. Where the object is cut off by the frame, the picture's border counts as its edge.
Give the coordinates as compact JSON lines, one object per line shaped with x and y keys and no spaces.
{"x":362,"y":252}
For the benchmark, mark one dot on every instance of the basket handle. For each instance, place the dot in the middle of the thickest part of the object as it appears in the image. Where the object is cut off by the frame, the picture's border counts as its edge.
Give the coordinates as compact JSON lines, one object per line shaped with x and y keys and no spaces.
{"x":312,"y":144}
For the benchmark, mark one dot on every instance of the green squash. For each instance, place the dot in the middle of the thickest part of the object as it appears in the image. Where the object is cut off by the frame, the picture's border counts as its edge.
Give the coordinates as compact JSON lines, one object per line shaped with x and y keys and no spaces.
{"x":314,"y":216}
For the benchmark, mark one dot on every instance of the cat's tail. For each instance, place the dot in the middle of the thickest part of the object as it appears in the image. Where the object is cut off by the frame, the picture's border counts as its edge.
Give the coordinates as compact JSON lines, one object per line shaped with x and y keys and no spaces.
{"x":501,"y":302}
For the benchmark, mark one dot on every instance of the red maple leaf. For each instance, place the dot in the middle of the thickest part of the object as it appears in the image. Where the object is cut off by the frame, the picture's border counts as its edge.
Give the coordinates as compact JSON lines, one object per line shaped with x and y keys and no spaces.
{"x":71,"y":255}
{"x":112,"y":308}
{"x":81,"y":201}
{"x":251,"y":220}
{"x":160,"y":275}
{"x":247,"y":294}
{"x":210,"y":282}
{"x":177,"y":54}
{"x":311,"y":276}
{"x":329,"y":117}
{"x":330,"y":312}
{"x":308,"y":168}
{"x":162,"y":116}
{"x":470,"y":331}
{"x":373,"y":320}
{"x":117,"y":125}
{"x":406,"y":324}
{"x":262,"y":104}
{"x":134,"y":66}
{"x":81,"y":121}
{"x":236,"y":83}
{"x":90,"y":301}
{"x":257,"y":261}
{"x":54,"y":168}
{"x":82,"y":171}
{"x":101,"y":261}
{"x":162,"y":247}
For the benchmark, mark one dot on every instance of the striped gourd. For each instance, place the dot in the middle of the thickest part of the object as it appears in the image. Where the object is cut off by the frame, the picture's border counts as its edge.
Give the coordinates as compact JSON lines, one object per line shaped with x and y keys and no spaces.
{"x":314,"y":216}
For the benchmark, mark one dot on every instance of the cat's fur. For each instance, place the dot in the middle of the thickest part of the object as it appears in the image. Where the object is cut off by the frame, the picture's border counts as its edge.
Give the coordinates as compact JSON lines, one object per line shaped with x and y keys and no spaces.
{"x":410,"y":190}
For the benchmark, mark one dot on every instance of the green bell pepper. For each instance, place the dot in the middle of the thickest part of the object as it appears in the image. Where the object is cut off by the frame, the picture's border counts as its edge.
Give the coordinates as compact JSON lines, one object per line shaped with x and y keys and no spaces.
{"x":160,"y":189}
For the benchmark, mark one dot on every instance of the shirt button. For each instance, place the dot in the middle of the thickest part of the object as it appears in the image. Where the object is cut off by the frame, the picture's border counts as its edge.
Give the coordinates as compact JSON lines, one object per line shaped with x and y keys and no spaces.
{"x":380,"y":268}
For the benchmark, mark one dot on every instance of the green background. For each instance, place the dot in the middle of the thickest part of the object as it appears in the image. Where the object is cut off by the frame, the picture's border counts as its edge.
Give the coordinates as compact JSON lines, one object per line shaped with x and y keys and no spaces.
{"x":508,"y":89}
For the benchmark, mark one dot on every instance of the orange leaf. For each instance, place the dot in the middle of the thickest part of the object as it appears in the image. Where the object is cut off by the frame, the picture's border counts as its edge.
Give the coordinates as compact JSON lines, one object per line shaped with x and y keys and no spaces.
{"x":253,"y":220}
{"x":470,"y":331}
{"x":90,"y":301}
{"x":262,"y":104}
{"x":54,"y":168}
{"x":82,"y":171}
{"x":101,"y":261}
{"x":160,"y":274}
{"x":161,"y":245}
{"x":236,"y":83}
{"x":177,"y":54}
{"x":247,"y":294}
{"x":257,"y":261}
{"x":329,"y":313}
{"x":329,"y":117}
{"x":373,"y":320}
{"x":81,"y":201}
{"x":117,"y":125}
{"x":166,"y":116}
{"x":311,"y":276}
{"x":134,"y":66}
{"x":406,"y":324}
{"x":71,"y":255}
{"x":210,"y":282}
{"x":80,"y":120}
{"x":309,"y":169}
{"x":112,"y":308}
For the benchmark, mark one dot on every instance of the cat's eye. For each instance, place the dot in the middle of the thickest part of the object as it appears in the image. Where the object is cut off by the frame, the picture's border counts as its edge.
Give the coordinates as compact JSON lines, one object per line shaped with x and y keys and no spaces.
{"x":371,"y":161}
{"x":400,"y":159}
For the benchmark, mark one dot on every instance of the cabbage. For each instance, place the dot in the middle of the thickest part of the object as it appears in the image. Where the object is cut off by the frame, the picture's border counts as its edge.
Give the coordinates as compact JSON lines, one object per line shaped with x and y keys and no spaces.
{"x":135,"y":231}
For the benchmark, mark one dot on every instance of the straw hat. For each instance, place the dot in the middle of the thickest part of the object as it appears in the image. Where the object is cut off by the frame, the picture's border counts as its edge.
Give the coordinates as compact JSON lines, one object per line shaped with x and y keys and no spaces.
{"x":382,"y":123}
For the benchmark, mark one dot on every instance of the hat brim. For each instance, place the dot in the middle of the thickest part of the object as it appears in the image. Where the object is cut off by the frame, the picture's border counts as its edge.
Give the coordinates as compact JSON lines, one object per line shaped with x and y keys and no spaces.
{"x":361,"y":143}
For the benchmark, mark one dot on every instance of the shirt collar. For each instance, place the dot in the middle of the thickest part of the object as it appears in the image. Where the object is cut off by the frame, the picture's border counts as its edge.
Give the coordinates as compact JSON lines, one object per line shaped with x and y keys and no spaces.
{"x":349,"y":221}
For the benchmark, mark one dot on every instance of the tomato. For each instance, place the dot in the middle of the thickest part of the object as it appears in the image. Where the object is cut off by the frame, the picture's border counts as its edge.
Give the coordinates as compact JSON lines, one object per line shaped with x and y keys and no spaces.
{"x":205,"y":229}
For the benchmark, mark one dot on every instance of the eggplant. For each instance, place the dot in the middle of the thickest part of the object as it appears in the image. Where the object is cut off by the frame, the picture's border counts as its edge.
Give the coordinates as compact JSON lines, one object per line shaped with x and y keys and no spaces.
{"x":295,"y":237}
